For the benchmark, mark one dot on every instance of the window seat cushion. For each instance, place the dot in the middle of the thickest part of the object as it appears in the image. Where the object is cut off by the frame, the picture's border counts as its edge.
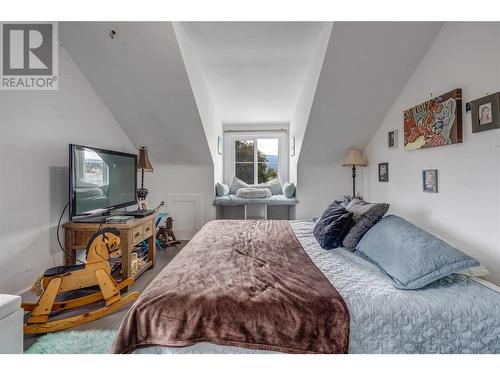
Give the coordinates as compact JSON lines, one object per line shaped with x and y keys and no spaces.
{"x":274,"y":200}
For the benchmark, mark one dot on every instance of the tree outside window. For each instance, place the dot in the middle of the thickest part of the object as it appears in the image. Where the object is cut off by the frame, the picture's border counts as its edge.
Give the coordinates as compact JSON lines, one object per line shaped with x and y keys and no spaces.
{"x":257,"y":160}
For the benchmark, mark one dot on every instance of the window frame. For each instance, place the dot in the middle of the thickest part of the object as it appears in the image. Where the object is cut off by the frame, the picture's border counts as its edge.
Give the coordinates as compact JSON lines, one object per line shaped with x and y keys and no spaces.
{"x":230,"y":152}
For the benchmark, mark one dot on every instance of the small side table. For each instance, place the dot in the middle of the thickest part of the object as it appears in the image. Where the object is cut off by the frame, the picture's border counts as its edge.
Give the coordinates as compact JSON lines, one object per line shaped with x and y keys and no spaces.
{"x":78,"y":234}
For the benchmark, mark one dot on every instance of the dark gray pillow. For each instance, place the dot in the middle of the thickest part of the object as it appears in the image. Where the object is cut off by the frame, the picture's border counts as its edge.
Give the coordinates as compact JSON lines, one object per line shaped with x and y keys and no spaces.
{"x":365,"y":216}
{"x":333,"y":225}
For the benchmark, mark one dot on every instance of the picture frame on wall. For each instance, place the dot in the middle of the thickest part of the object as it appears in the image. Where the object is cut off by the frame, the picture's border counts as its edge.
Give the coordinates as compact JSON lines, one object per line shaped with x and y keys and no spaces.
{"x":383,"y":172}
{"x":219,"y":144}
{"x":292,"y":146}
{"x":485,"y":113}
{"x":434,"y":123}
{"x":430,"y":180}
{"x":392,"y":138}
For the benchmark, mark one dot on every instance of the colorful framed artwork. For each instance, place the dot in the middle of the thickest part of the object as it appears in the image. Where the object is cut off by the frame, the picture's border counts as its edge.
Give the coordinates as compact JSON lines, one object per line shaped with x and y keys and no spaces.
{"x":485,"y":113}
{"x":219,"y":144}
{"x":383,"y":172}
{"x":430,"y":180}
{"x":437,"y":122}
{"x":392,"y":138}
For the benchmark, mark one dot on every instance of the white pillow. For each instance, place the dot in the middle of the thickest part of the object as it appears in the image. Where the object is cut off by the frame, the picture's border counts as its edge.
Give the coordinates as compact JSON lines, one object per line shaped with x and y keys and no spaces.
{"x":237,"y":184}
{"x":252,"y":192}
{"x":478,"y":271}
{"x":274,"y":185}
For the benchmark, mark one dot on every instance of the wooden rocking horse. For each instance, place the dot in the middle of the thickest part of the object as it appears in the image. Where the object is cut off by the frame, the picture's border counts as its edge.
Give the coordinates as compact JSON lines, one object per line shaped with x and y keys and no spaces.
{"x":96,"y":271}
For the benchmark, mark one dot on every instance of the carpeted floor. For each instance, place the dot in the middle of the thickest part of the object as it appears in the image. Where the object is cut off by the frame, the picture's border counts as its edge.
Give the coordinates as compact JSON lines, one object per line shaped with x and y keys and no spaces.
{"x":94,"y":341}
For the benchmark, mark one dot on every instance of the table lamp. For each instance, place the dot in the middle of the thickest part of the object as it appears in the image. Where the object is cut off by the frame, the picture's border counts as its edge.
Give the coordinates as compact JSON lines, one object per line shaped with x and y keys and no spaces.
{"x":354,"y":159}
{"x":144,"y":165}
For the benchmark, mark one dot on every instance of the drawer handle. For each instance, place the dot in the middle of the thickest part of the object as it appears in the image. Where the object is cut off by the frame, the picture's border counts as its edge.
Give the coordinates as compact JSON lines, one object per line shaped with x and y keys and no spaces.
{"x":148,"y":229}
{"x":137,"y":234}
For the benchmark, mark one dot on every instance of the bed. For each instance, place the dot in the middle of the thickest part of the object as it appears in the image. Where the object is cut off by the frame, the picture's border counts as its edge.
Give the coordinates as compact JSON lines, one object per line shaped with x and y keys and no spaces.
{"x":456,"y":314}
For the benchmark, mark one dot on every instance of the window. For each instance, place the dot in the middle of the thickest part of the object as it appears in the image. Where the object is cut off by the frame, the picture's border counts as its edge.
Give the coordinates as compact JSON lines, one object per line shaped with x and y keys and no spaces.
{"x":256,"y":160}
{"x":95,"y":171}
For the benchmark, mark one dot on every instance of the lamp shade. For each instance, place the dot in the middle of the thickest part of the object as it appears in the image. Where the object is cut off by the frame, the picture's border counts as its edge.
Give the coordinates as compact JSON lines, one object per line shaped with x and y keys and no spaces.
{"x":143,"y":160}
{"x":354,"y":158}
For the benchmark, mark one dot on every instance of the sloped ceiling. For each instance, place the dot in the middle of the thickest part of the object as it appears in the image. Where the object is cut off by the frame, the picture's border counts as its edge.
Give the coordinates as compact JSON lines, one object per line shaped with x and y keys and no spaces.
{"x":142,"y":79}
{"x":366,"y":66}
{"x":255,"y":70}
{"x":254,"y":73}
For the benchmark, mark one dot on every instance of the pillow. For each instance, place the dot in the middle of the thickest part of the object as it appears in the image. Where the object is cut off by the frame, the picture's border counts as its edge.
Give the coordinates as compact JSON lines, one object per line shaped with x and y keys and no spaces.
{"x":237,"y":184}
{"x":252,"y":192}
{"x":274,"y":185}
{"x":289,"y":189}
{"x":478,"y":271}
{"x":332,"y":226}
{"x":410,"y":256}
{"x":221,"y":189}
{"x":365,"y":216}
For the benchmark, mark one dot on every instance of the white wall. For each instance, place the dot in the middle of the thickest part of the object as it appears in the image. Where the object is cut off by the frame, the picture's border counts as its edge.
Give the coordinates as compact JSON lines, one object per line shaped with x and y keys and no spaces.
{"x":366,"y":66}
{"x":209,"y":114}
{"x":465,"y":212}
{"x":305,"y":98}
{"x":36,"y":128}
{"x":143,"y":80}
{"x":176,"y":180}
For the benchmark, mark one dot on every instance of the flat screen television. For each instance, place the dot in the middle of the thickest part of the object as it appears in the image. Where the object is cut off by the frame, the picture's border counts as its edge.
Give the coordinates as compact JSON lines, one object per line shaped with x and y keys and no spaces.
{"x":100,"y":180}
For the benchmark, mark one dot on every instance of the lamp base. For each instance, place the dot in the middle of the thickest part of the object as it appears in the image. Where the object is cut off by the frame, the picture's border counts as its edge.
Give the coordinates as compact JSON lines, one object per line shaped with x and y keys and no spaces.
{"x":142,"y":193}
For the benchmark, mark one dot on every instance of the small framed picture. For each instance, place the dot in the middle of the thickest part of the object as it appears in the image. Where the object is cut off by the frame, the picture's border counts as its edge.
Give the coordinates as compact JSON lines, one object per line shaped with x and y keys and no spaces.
{"x":219,"y":144}
{"x":292,"y":146}
{"x":392,"y":138}
{"x":430,"y":180}
{"x":383,"y":172}
{"x":485,"y":113}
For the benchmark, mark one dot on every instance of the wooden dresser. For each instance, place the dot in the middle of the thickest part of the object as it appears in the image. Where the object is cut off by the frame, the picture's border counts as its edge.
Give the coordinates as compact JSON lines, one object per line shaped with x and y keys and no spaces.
{"x":77,"y":236}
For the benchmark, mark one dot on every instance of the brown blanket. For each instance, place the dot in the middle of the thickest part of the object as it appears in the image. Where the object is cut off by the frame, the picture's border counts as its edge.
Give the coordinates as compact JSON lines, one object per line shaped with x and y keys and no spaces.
{"x":240,"y":283}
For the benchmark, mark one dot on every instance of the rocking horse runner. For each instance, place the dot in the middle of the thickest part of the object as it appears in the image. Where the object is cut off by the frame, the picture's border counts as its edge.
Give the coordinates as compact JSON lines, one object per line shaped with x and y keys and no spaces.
{"x":96,"y":271}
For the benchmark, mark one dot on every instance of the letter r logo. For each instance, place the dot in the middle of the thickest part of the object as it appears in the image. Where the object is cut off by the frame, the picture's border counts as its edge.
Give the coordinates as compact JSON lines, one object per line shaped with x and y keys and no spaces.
{"x":27,"y":49}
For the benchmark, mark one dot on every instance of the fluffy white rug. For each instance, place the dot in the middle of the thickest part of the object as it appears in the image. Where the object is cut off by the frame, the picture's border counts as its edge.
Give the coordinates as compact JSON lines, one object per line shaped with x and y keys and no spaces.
{"x":74,"y":342}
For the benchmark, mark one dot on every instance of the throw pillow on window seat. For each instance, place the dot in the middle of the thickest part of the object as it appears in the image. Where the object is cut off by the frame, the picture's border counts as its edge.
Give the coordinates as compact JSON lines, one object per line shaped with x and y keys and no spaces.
{"x":289,"y":189}
{"x":252,"y":192}
{"x":221,"y":189}
{"x":237,"y":184}
{"x":274,"y":185}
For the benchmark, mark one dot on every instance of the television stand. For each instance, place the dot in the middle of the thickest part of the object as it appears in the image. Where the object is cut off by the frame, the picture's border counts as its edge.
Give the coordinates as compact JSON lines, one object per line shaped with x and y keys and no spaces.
{"x":77,"y":235}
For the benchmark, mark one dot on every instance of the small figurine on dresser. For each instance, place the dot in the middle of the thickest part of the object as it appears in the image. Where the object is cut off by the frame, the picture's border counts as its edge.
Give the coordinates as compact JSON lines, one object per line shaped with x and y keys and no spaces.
{"x":166,"y":234}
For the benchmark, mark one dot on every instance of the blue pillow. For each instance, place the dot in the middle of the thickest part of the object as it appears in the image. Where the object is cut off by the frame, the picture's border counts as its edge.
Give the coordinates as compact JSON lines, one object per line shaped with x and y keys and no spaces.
{"x":289,"y":189}
{"x":410,"y":256}
{"x":332,"y":226}
{"x":221,"y":189}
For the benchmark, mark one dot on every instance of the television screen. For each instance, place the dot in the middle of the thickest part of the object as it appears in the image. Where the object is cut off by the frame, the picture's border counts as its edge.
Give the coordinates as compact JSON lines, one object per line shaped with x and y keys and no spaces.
{"x":100,"y":180}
